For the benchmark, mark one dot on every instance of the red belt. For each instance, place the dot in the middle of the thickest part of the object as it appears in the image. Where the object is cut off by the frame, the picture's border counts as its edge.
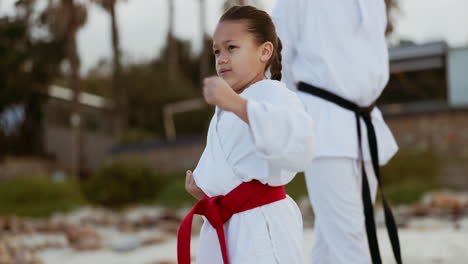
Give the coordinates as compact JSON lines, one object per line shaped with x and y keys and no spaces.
{"x":219,"y":209}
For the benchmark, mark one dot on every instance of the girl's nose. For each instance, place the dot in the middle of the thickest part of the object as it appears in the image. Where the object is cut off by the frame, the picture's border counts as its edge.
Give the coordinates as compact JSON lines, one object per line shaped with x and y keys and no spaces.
{"x":222,"y":59}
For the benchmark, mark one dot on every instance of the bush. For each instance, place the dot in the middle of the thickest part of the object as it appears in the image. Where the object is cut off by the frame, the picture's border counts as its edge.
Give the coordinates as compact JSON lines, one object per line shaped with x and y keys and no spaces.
{"x":123,"y":181}
{"x":38,"y":196}
{"x":297,"y":188}
{"x":409,"y":175}
{"x":173,"y":194}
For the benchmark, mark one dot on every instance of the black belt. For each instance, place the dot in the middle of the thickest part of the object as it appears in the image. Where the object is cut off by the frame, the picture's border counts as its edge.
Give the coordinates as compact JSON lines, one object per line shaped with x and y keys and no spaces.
{"x":365,"y":114}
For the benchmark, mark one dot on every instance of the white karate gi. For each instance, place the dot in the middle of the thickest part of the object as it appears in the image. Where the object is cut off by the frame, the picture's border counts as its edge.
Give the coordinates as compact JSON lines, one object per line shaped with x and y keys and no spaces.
{"x":272,"y":149}
{"x":339,"y":46}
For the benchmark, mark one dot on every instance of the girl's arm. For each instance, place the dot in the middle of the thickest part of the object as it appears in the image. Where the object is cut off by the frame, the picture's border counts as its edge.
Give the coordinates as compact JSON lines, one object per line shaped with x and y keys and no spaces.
{"x":281,"y":129}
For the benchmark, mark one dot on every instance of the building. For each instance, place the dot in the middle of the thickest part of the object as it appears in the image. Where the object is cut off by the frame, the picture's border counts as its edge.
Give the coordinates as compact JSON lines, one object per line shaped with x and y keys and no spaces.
{"x":97,"y":130}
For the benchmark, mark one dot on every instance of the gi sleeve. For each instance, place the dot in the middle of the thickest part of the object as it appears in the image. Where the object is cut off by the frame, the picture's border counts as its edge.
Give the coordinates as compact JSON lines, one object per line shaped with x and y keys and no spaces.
{"x":282,"y":132}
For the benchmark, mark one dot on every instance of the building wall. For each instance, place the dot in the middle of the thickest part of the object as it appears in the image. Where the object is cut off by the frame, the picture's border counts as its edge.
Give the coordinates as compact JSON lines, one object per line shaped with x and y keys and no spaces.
{"x":457,"y":76}
{"x":167,"y":157}
{"x":58,"y":143}
{"x":58,"y":136}
{"x":444,"y":132}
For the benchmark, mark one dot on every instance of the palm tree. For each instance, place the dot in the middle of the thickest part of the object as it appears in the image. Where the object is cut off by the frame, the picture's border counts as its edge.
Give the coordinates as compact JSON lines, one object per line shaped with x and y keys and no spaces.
{"x":120,"y":95}
{"x":205,"y":55}
{"x":172,"y":50}
{"x":65,"y":18}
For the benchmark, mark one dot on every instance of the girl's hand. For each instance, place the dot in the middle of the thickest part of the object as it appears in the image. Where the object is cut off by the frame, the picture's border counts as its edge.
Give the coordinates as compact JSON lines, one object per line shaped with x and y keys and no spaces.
{"x":217,"y":92}
{"x":191,"y":187}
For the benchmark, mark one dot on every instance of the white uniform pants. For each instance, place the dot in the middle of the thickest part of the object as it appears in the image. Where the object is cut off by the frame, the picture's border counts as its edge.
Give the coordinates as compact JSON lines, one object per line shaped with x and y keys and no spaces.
{"x":334,"y":186}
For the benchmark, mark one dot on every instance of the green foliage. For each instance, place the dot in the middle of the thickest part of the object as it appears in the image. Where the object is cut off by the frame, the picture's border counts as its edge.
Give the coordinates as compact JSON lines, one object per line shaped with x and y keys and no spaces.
{"x":38,"y":196}
{"x":409,"y":175}
{"x":98,"y":80}
{"x":149,"y":89}
{"x":122,"y":182}
{"x":427,"y":85}
{"x":194,"y":122}
{"x":27,"y":66}
{"x":297,"y":187}
{"x":173,"y":194}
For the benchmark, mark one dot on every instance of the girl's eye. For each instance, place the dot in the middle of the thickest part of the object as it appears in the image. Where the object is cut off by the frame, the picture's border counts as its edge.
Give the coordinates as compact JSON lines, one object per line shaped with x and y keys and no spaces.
{"x":216,"y":52}
{"x":231,"y":47}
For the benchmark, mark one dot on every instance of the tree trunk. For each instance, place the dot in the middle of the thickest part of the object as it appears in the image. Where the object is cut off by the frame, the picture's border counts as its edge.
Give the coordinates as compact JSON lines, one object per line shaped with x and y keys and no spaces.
{"x":120,"y":95}
{"x":74,"y":84}
{"x":172,"y":52}
{"x":204,"y":56}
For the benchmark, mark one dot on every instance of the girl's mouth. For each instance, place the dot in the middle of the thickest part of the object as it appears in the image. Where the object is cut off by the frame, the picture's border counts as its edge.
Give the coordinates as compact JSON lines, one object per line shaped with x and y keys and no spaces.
{"x":224,"y":72}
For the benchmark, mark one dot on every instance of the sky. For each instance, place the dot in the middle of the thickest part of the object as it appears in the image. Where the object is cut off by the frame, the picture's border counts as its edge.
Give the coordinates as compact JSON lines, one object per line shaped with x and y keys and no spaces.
{"x":144,"y":23}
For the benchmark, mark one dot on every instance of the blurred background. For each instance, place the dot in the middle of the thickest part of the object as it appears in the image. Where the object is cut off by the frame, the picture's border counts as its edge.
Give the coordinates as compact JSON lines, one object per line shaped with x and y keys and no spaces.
{"x":101,"y":115}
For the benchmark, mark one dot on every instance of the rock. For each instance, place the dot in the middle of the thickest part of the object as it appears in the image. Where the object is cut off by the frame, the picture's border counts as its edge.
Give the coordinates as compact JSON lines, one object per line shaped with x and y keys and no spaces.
{"x":420,"y":210}
{"x":126,"y":227}
{"x":87,"y":216}
{"x":126,"y":245}
{"x":5,"y":256}
{"x":16,"y":255}
{"x":147,"y":222}
{"x":443,"y":204}
{"x":12,"y":224}
{"x":51,"y":226}
{"x":446,"y":201}
{"x":83,"y":238}
{"x":2,"y":223}
{"x":142,"y":217}
{"x":156,"y":239}
{"x":24,"y":256}
{"x":170,"y":215}
{"x":173,"y":227}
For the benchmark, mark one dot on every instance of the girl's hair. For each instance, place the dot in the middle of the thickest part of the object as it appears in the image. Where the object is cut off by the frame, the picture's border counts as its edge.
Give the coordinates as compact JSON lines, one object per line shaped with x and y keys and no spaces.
{"x":259,"y":23}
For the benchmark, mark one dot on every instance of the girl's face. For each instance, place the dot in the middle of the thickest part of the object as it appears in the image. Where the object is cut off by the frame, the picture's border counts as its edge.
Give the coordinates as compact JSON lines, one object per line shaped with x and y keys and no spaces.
{"x":240,"y":61}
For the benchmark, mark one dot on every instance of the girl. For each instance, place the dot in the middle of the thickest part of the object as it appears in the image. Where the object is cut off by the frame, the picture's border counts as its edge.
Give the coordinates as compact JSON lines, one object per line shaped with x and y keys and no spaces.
{"x":259,"y":138}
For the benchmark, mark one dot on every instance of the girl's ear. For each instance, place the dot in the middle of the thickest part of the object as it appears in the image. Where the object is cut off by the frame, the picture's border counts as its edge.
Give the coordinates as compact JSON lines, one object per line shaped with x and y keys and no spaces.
{"x":266,"y":51}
